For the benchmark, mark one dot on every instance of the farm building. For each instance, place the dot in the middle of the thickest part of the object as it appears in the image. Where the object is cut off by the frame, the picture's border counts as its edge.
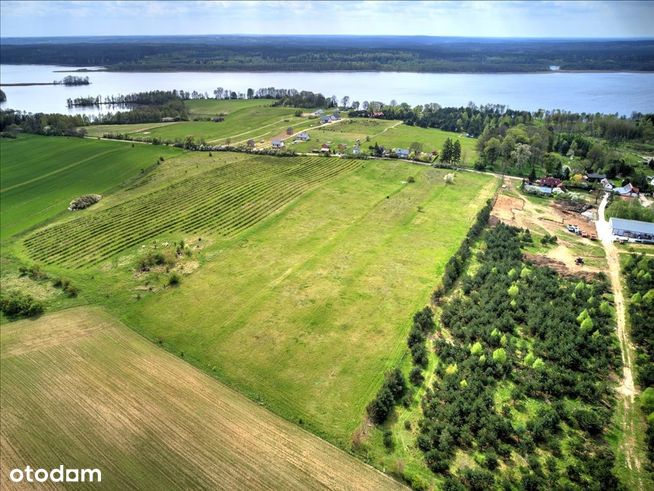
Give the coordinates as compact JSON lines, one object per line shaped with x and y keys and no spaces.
{"x":632,"y":229}
{"x":304,"y":136}
{"x":325,"y":119}
{"x":324,"y":148}
{"x":550,"y":182}
{"x":278,"y":144}
{"x":595,"y":177}
{"x":541,"y":190}
{"x":627,"y":190}
{"x":401,"y":153}
{"x":319,"y":112}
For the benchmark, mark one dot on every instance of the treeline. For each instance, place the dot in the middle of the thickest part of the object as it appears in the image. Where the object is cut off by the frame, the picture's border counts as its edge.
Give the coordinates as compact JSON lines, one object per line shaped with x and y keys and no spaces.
{"x":639,"y":274}
{"x":12,"y":122}
{"x":457,"y":263}
{"x":524,"y":332}
{"x":631,"y":210}
{"x":522,"y":142}
{"x":352,"y":53}
{"x":149,"y":98}
{"x":305,"y":99}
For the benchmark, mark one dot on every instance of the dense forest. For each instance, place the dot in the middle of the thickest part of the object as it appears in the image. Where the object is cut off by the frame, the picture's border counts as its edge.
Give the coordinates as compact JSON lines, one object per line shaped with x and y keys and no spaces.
{"x":324,"y":53}
{"x":519,"y":337}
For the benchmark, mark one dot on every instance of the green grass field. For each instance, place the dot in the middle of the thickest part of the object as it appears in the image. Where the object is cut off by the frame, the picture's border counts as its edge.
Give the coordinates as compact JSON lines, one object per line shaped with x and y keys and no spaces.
{"x":223,"y":201}
{"x":41,"y":175}
{"x":306,"y":311}
{"x":244,"y":120}
{"x":303,"y":277}
{"x":389,"y":134}
{"x":80,"y":389}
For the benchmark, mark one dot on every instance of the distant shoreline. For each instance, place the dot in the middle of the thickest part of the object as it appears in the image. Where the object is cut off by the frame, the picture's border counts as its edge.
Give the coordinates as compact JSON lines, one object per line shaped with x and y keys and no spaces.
{"x":28,"y":84}
{"x":163,"y":70}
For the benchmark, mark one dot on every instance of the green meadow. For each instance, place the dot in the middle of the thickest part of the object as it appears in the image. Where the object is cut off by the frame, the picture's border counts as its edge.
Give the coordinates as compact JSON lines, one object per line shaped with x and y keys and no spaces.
{"x":243,"y":120}
{"x":389,"y":134}
{"x":41,"y":175}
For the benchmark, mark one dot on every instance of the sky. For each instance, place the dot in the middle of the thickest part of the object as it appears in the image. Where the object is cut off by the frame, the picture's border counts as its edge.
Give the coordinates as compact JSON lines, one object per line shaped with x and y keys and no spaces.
{"x":546,"y":19}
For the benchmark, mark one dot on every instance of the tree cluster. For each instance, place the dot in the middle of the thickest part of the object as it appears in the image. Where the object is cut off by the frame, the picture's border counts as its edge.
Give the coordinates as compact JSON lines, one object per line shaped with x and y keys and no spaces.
{"x":639,"y":275}
{"x":457,"y":263}
{"x":391,"y":393}
{"x":451,"y":153}
{"x":549,"y":339}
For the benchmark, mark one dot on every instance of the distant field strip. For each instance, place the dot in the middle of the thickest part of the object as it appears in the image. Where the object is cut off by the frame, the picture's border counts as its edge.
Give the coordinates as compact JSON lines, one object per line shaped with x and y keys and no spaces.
{"x":226,"y":201}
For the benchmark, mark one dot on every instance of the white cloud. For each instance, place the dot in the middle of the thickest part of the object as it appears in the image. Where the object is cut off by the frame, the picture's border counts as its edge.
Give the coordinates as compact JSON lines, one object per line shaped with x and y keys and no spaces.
{"x":475,"y":18}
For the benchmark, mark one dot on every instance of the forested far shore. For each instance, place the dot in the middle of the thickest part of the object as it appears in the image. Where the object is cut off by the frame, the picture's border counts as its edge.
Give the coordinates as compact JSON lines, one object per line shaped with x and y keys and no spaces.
{"x":335,"y":53}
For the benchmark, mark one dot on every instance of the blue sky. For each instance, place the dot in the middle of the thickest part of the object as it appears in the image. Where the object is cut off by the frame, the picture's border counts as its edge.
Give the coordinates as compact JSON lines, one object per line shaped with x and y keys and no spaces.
{"x":619,"y":19}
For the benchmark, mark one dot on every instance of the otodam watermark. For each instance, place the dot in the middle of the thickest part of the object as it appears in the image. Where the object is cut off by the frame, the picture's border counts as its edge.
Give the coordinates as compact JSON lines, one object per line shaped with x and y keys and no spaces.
{"x":58,"y":474}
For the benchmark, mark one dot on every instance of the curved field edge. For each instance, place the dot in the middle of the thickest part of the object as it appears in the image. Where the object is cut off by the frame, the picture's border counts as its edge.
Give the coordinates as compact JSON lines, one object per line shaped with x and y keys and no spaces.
{"x":306,"y":311}
{"x":83,"y":390}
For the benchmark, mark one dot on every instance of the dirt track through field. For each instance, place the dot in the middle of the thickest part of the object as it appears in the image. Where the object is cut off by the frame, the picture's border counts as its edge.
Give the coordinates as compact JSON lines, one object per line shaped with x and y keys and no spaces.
{"x":627,"y":389}
{"x":80,"y":389}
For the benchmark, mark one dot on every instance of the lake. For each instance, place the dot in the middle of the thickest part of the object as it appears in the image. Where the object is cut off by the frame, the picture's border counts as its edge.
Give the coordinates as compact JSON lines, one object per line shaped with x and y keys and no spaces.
{"x":620,"y":93}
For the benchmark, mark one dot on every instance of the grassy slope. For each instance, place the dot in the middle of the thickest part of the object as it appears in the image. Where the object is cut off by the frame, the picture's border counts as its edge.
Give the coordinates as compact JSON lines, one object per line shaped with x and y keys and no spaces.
{"x":244,"y":120}
{"x":145,"y":418}
{"x":307,"y":311}
{"x":389,"y":134}
{"x":41,"y":175}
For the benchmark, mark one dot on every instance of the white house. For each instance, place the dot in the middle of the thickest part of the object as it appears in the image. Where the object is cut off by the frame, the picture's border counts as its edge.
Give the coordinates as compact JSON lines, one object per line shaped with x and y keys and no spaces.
{"x":627,"y":190}
{"x":277,"y":144}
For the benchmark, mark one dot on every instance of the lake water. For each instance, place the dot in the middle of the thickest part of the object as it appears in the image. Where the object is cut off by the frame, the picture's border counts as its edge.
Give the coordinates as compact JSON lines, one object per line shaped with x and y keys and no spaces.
{"x":620,"y":93}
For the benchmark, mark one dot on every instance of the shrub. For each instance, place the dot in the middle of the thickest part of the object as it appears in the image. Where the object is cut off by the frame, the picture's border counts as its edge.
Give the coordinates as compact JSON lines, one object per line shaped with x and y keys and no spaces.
{"x":381,"y":406}
{"x":416,"y":377}
{"x":411,"y":179}
{"x":154,"y":258}
{"x":16,"y":304}
{"x":391,"y":392}
{"x":647,"y":400}
{"x":34,"y":272}
{"x":499,"y":355}
{"x":388,"y":439}
{"x":174,"y":279}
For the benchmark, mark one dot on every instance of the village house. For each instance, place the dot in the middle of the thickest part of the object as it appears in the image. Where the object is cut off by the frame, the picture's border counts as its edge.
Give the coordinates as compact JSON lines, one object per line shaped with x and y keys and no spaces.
{"x":319,"y":112}
{"x":325,"y":119}
{"x":277,"y":144}
{"x":628,"y":190}
{"x":324,"y":148}
{"x":550,"y":182}
{"x":402,"y":153}
{"x":303,"y":136}
{"x":595,"y":177}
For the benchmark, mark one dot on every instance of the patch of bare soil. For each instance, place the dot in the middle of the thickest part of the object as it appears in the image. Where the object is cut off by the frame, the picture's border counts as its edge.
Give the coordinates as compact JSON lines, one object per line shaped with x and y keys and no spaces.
{"x":562,"y":254}
{"x":559,"y":266}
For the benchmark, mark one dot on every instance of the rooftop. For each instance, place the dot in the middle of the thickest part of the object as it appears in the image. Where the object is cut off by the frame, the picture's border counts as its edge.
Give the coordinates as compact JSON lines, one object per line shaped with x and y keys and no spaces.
{"x":632,"y":225}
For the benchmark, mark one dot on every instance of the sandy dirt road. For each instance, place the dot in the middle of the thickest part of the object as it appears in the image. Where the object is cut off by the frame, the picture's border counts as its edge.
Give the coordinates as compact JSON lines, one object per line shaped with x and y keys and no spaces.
{"x":627,"y":389}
